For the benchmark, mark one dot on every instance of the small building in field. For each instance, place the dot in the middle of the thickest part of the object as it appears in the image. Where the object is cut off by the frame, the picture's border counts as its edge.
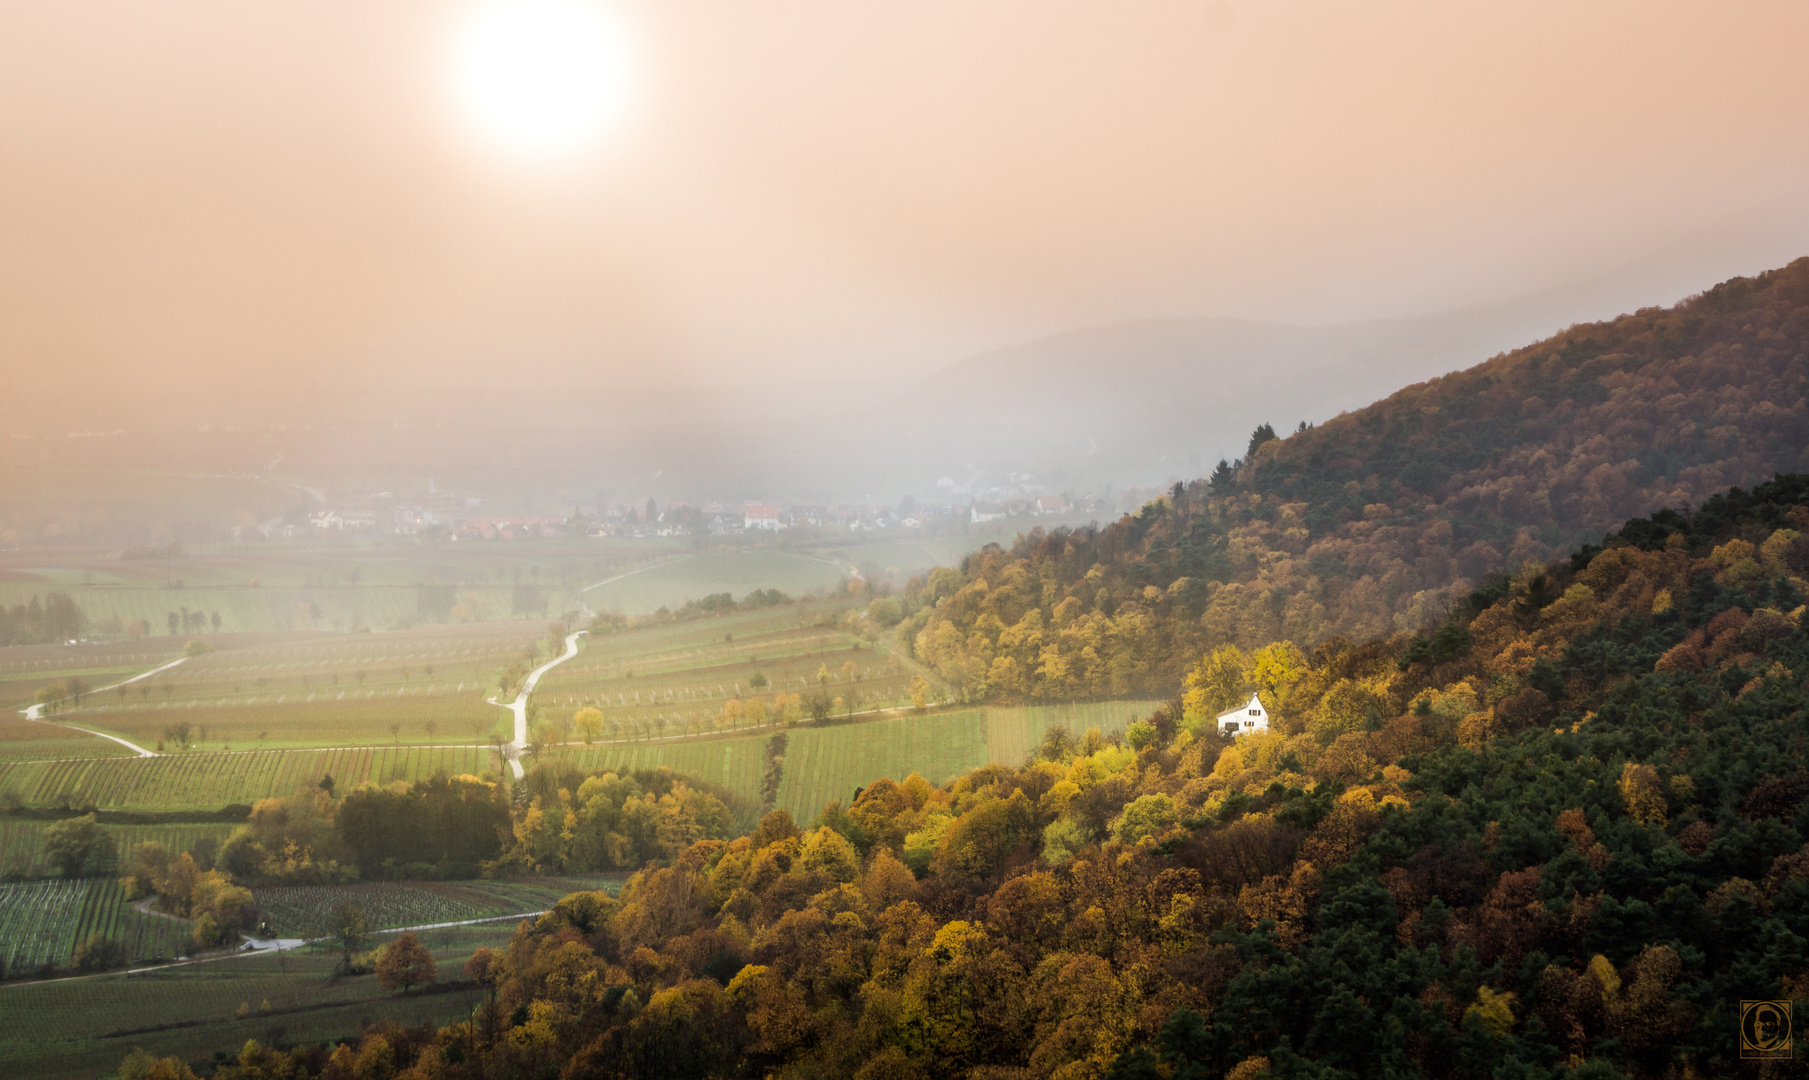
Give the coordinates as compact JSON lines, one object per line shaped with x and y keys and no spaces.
{"x":1252,"y":717}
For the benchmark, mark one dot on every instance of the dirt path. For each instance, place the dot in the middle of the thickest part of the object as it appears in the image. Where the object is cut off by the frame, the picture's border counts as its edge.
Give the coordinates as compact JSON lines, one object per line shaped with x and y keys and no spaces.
{"x":520,"y":705}
{"x":36,"y":712}
{"x":144,"y":907}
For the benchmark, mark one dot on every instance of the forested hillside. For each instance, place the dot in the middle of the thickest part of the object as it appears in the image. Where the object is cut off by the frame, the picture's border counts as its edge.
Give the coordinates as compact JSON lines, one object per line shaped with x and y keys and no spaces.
{"x":1562,"y":836}
{"x":1376,"y":522}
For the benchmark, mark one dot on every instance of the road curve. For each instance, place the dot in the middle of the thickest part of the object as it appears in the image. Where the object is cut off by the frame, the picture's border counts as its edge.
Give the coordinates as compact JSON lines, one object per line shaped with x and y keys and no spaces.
{"x":520,"y":705}
{"x":36,"y":712}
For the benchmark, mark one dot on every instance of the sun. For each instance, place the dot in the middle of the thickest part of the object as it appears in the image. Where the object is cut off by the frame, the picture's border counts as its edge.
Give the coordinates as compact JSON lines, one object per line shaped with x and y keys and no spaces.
{"x":541,"y":78}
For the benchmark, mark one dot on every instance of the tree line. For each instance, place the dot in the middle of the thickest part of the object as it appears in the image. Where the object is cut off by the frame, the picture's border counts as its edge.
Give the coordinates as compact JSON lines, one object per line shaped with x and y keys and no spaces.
{"x":52,"y":621}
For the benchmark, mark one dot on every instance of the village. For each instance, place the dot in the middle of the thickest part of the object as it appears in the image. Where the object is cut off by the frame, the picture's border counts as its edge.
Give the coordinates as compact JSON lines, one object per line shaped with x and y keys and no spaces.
{"x":457,"y":519}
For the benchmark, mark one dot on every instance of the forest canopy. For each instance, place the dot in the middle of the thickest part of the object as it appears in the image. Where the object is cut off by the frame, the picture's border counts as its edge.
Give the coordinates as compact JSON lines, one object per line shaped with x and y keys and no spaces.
{"x":1560,"y":836}
{"x":1381,"y":521}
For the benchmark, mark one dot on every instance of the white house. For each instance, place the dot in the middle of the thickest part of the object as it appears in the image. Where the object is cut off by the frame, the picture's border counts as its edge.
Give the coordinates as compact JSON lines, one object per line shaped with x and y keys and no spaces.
{"x":1251,"y":718}
{"x":761,"y":516}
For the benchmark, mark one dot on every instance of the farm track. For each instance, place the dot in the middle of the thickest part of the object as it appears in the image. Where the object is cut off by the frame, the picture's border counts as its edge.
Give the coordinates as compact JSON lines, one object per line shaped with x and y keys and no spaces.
{"x":35,"y":712}
{"x":280,"y":945}
{"x":520,"y":705}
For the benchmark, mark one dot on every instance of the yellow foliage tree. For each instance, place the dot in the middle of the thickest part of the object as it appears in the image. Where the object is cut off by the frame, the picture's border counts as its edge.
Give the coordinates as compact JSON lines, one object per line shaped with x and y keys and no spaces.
{"x":1218,"y":682}
{"x":589,"y":722}
{"x":1494,"y":1009}
{"x":1643,"y":794}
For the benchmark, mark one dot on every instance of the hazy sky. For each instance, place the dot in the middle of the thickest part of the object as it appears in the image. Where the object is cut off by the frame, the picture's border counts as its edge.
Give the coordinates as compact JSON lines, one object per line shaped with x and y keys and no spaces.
{"x":271,"y":194}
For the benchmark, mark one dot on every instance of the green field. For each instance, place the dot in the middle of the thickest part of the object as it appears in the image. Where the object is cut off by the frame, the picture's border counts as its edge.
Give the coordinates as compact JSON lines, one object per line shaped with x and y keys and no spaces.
{"x":41,"y":922}
{"x":734,"y":572}
{"x":83,"y":1027}
{"x":307,"y":910}
{"x":831,"y":762}
{"x":23,"y":669}
{"x":22,"y":842}
{"x":98,"y":1019}
{"x":326,"y":583}
{"x":824,"y":763}
{"x":676,"y":678}
{"x":428,"y":685}
{"x":343,"y":583}
{"x":25,"y":740}
{"x":212,"y":780}
{"x":320,"y":689}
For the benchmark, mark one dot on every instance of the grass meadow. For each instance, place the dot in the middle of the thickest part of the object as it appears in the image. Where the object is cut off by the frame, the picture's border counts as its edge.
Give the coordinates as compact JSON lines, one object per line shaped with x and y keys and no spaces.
{"x":202,"y":780}
{"x":736,"y":572}
{"x":83,"y":1027}
{"x":824,"y":763}
{"x":324,"y":583}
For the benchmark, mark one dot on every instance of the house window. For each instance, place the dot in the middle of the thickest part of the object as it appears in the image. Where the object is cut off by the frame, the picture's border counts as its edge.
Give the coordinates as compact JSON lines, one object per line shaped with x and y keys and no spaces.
{"x":1255,"y":712}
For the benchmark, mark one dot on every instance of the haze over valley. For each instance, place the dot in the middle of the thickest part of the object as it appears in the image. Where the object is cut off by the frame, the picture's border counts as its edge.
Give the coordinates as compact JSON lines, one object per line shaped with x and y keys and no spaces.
{"x":1203,"y":540}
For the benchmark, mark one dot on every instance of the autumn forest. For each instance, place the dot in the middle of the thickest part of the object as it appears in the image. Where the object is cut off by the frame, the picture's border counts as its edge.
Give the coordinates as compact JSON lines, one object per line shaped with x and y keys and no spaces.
{"x":1534,"y":802}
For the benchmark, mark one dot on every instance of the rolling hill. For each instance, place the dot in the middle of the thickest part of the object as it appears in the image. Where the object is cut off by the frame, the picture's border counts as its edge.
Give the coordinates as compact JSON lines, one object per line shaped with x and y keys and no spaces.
{"x":1382,"y":519}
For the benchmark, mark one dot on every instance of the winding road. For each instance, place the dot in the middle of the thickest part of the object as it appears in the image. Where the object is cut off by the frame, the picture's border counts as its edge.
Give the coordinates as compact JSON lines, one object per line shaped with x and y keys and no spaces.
{"x":520,"y":705}
{"x":36,"y":712}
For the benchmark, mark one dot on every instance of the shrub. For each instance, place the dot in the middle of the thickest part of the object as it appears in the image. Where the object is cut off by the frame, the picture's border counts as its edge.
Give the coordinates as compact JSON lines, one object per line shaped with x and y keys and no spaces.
{"x":98,"y":953}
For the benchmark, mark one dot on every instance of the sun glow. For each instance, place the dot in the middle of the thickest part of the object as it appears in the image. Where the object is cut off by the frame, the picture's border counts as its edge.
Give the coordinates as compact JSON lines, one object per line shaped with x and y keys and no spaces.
{"x":541,"y":77}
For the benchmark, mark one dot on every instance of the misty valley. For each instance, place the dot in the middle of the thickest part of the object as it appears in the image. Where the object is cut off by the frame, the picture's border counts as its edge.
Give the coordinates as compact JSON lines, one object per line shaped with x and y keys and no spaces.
{"x":961,"y":540}
{"x":299,"y":779}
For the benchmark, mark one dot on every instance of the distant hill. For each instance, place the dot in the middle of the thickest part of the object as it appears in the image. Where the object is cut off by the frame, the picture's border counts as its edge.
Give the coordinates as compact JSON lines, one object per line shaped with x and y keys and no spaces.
{"x":1532,"y":452}
{"x":1143,"y":401}
{"x":1382,"y":519}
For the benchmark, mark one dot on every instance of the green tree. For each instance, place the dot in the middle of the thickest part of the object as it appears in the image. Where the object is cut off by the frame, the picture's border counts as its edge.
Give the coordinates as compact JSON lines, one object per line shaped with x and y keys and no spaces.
{"x":1263,"y":433}
{"x":98,"y":953}
{"x":351,"y":930}
{"x":1148,"y":816}
{"x":79,"y":846}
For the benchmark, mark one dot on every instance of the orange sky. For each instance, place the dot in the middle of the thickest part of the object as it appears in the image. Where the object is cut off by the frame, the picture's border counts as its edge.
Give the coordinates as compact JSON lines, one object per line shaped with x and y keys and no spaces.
{"x":264,"y":196}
